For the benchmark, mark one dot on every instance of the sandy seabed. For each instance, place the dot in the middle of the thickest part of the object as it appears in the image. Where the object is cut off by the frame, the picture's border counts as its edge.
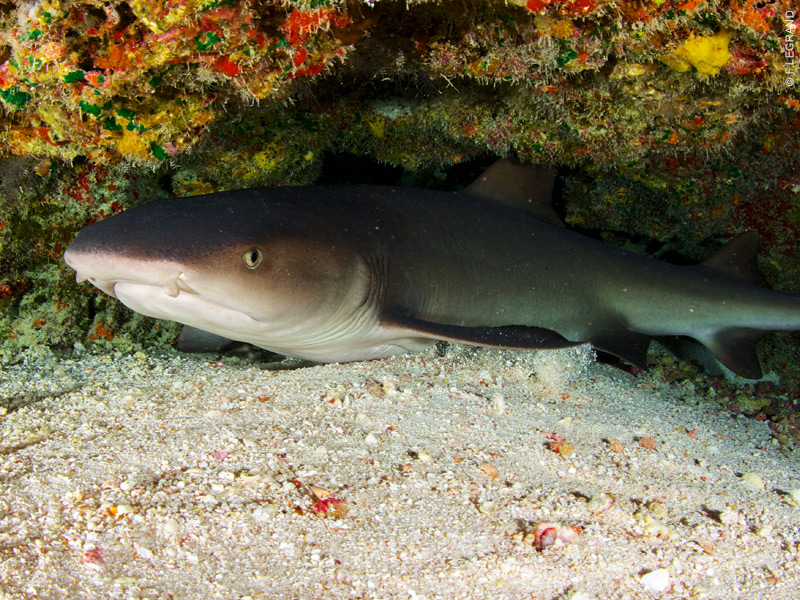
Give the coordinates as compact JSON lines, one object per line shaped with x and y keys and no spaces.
{"x":421,"y":476}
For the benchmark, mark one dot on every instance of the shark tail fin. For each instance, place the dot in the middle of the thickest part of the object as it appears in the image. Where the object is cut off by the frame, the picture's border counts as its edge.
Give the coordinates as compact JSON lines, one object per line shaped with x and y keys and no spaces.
{"x":736,"y":349}
{"x":738,"y":259}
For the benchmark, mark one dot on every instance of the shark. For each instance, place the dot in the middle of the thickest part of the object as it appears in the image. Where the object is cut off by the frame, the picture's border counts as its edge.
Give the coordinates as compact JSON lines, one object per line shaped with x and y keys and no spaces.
{"x":356,"y":272}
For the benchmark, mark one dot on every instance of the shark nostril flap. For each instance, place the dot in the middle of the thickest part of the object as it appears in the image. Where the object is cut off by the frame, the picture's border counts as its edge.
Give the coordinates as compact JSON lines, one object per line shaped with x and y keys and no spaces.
{"x":171,"y":289}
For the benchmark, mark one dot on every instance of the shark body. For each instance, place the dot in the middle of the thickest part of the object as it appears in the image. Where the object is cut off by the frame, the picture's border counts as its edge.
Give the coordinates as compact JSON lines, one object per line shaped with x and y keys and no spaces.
{"x":344,"y":273}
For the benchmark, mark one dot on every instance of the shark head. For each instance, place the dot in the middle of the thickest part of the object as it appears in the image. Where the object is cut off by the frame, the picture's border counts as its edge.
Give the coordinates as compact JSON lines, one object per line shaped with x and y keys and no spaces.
{"x":236,"y":269}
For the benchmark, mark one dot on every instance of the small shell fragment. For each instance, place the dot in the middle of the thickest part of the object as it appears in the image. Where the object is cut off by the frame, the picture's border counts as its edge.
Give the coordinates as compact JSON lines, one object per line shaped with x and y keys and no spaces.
{"x":656,"y":581}
{"x":172,"y":527}
{"x":648,"y":443}
{"x":600,"y":502}
{"x":489,"y":470}
{"x":546,"y":533}
{"x":562,"y":448}
{"x":424,"y":457}
{"x":333,"y":507}
{"x":656,"y":528}
{"x":124,"y":509}
{"x":320,"y":493}
{"x":753,"y":481}
{"x":616,"y":446}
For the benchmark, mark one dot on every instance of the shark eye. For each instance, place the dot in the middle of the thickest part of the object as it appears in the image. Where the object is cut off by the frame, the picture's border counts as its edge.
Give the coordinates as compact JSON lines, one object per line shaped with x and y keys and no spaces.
{"x":252,"y":258}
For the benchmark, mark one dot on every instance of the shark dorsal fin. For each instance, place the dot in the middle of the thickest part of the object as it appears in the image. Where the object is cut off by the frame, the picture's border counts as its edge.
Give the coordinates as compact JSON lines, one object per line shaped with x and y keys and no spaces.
{"x":738,"y":259}
{"x":517,"y":185}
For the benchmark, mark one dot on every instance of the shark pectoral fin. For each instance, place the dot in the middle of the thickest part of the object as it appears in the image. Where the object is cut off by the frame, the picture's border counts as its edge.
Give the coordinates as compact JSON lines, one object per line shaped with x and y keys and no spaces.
{"x":627,"y":345}
{"x":515,"y":337}
{"x":736,"y":349}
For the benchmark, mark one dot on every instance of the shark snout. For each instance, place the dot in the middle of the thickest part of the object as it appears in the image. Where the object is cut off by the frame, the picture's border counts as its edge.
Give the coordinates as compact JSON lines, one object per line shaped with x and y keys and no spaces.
{"x":88,"y":268}
{"x":105,"y":271}
{"x":72,"y":258}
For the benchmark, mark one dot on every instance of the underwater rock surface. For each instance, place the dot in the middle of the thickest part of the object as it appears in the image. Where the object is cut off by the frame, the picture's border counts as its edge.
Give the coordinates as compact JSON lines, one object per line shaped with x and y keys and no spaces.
{"x":568,"y":81}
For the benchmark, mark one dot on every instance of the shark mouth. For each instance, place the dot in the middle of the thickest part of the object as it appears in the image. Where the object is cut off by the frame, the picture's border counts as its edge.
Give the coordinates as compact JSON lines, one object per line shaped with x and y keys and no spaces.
{"x":108,"y":271}
{"x":171,"y":288}
{"x":177,"y":301}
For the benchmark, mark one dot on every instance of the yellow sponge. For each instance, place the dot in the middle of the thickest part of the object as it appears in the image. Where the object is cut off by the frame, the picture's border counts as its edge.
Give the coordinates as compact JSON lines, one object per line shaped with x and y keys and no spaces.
{"x":707,"y":54}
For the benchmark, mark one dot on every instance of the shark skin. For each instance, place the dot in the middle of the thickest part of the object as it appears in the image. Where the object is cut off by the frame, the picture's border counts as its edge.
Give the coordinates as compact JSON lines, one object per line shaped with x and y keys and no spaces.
{"x":346,"y":273}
